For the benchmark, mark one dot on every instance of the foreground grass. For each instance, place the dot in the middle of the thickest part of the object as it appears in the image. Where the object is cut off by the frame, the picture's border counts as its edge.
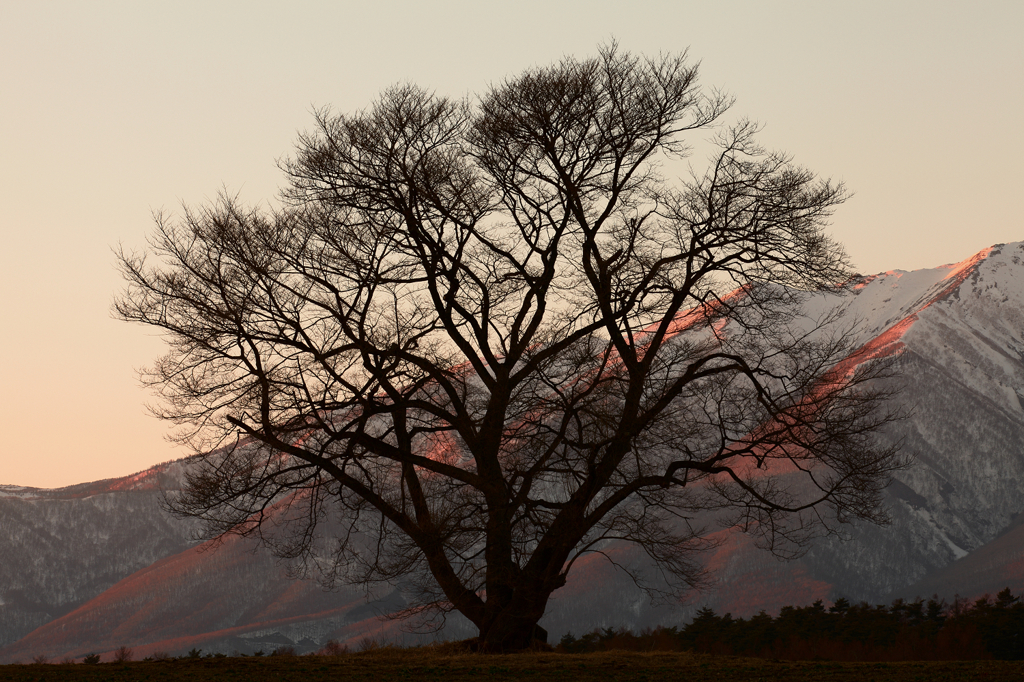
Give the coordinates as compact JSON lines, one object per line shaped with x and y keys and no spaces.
{"x":424,"y":665}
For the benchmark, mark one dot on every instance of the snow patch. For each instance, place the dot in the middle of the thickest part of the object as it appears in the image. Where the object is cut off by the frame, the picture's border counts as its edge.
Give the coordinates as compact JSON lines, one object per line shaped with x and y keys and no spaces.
{"x":926,"y":515}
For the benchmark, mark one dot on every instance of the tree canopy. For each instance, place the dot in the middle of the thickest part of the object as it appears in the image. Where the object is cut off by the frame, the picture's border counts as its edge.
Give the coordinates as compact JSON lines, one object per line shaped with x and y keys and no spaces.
{"x":482,"y":337}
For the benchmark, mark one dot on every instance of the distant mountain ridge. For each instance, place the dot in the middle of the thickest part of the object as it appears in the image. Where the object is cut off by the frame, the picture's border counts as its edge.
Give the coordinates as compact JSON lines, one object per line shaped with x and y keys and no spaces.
{"x":94,"y":566}
{"x":64,"y":546}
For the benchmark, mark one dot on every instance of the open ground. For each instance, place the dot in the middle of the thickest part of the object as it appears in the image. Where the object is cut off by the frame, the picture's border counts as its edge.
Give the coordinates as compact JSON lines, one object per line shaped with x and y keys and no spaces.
{"x":425,"y":665}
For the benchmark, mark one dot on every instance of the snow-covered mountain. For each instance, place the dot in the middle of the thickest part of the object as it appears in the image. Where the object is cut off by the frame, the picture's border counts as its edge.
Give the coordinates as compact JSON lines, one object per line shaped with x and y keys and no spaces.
{"x":95,"y":566}
{"x":961,"y":328}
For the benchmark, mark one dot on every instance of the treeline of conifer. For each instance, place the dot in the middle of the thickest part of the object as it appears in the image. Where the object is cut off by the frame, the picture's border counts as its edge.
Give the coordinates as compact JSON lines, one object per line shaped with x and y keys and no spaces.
{"x":917,"y":630}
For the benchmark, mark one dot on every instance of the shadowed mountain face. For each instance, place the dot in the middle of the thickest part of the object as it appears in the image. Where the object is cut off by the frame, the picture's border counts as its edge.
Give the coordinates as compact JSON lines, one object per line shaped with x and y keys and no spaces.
{"x":95,"y":566}
{"x":60,"y":548}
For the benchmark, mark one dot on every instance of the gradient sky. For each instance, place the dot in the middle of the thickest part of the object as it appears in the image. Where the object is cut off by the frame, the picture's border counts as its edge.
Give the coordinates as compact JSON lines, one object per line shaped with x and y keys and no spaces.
{"x":111,"y":110}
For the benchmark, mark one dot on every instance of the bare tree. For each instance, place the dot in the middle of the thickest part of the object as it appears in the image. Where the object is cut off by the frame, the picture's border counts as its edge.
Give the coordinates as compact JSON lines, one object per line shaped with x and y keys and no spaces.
{"x":487,"y":337}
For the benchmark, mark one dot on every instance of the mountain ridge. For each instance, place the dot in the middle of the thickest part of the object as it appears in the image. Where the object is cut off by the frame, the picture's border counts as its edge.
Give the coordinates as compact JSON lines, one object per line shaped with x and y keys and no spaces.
{"x":960,"y":331}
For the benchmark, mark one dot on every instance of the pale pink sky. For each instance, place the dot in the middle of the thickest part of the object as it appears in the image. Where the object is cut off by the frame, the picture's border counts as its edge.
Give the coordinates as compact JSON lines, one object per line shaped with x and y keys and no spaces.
{"x":110,"y":110}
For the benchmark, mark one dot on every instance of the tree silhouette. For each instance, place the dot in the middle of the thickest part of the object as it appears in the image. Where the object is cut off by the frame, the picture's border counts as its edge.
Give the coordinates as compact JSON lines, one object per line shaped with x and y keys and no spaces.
{"x":487,"y":337}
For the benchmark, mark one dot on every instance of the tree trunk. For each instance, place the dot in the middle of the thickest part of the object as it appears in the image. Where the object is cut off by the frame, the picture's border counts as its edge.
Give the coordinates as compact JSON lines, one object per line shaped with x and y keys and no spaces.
{"x":511,"y":624}
{"x":511,"y":632}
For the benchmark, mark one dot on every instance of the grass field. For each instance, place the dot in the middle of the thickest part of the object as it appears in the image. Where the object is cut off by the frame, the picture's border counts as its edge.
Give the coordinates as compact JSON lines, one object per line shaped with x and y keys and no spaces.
{"x":428,"y":666}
